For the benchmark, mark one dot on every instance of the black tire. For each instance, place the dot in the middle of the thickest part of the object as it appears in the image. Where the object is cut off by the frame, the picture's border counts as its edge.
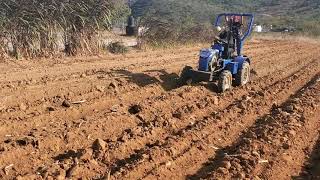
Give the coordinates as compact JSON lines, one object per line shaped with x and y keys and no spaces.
{"x":243,"y":75}
{"x":225,"y":81}
{"x":130,"y":31}
{"x":185,"y":76}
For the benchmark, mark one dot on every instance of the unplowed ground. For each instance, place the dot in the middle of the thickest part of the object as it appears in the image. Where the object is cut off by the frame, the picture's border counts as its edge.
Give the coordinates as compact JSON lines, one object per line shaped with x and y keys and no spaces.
{"x":123,"y":117}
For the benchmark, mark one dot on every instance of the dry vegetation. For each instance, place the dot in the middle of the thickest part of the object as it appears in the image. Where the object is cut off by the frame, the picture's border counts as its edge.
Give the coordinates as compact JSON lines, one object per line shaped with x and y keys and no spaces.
{"x":38,"y":28}
{"x":33,"y":28}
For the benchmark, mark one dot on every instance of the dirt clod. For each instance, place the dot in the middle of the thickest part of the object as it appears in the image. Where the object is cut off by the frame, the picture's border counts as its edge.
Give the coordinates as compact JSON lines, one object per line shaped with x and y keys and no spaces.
{"x":222,"y":171}
{"x":242,"y":106}
{"x":215,"y":100}
{"x":100,"y":88}
{"x":286,"y":146}
{"x":135,"y":109}
{"x":99,"y":145}
{"x":3,"y":148}
{"x":289,"y":109}
{"x":113,"y":85}
{"x":23,"y":107}
{"x":177,"y":114}
{"x":292,"y":132}
{"x":28,"y":140}
{"x":50,"y":108}
{"x":66,"y":103}
{"x":226,"y":164}
{"x":261,"y":93}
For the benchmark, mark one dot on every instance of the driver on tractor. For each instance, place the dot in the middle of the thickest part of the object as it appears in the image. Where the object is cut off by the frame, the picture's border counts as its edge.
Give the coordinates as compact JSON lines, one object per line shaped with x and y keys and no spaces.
{"x":225,"y":38}
{"x":229,"y":35}
{"x":223,"y":34}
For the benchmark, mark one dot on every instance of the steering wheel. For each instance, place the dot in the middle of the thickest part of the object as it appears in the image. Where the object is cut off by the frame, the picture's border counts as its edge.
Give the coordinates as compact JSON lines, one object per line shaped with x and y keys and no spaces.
{"x":217,"y":39}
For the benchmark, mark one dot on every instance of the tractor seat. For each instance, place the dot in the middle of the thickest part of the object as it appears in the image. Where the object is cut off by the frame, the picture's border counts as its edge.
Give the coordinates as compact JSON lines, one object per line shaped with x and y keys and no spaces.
{"x":228,"y":51}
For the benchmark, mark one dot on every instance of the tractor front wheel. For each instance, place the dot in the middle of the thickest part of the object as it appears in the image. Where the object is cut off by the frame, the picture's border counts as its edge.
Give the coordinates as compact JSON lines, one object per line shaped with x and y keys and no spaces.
{"x":225,"y":81}
{"x":243,"y":75}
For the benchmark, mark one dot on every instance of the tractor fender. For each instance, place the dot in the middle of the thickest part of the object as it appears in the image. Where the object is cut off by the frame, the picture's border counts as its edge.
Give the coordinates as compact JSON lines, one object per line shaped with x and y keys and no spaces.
{"x":247,"y":59}
{"x":241,"y":59}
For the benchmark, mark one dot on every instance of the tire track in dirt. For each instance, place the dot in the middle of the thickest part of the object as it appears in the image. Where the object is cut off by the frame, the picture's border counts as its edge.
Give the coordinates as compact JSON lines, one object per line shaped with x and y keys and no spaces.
{"x":74,"y":67}
{"x":84,"y":91}
{"x":45,"y":79}
{"x":87,"y":92}
{"x":202,"y":152}
{"x":274,"y":139}
{"x":90,"y":89}
{"x":114,"y":122}
{"x":303,"y":131}
{"x":153,"y":162}
{"x":156,"y":136}
{"x":71,"y":128}
{"x":229,"y":100}
{"x":311,"y":168}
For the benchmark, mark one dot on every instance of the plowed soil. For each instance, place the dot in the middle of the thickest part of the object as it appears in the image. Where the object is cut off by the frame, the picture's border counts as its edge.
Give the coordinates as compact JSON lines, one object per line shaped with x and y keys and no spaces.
{"x":124,"y":117}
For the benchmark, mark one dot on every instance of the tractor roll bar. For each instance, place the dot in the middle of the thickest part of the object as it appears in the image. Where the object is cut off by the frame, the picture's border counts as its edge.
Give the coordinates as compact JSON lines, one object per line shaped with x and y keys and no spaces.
{"x":250,"y":24}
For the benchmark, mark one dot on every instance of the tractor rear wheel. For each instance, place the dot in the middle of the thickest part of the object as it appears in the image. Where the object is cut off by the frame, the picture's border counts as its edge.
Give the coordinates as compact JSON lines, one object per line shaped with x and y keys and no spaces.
{"x":185,"y":76}
{"x":243,"y":75}
{"x":225,"y":81}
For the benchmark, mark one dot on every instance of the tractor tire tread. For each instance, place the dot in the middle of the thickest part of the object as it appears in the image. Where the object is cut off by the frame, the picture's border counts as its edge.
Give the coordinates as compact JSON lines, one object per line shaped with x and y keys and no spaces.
{"x":239,"y":77}
{"x":222,"y":86}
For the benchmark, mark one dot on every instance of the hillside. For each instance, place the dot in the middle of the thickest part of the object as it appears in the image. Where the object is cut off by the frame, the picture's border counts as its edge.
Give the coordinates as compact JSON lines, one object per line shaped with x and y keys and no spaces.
{"x":303,"y":9}
{"x":277,"y":12}
{"x":307,"y":8}
{"x":138,"y":7}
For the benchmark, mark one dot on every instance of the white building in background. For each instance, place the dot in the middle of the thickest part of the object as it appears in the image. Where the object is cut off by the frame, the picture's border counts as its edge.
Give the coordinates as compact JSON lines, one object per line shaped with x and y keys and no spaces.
{"x":257,"y":28}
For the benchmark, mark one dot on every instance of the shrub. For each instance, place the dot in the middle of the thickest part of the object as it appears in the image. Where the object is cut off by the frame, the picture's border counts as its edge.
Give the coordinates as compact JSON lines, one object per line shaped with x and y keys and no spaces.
{"x":310,"y":28}
{"x":172,"y":21}
{"x":117,"y":48}
{"x":169,"y":21}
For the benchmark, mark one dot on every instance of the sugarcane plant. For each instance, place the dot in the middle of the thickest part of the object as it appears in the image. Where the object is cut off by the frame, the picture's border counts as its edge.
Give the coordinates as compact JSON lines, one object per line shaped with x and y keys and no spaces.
{"x":32,"y":28}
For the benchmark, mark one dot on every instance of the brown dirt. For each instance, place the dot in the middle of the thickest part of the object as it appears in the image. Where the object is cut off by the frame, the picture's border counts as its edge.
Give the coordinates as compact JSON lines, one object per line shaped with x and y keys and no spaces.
{"x":123,"y":117}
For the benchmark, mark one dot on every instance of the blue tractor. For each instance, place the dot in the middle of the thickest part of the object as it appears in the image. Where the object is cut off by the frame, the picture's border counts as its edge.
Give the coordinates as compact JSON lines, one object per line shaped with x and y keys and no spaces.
{"x":224,"y":61}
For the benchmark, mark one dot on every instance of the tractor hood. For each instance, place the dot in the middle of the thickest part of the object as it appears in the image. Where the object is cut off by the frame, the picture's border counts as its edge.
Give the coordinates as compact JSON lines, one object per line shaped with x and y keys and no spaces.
{"x":205,"y":53}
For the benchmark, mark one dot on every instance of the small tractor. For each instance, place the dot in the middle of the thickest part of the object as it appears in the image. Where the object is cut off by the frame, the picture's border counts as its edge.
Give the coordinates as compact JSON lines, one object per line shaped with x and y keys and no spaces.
{"x":224,"y":61}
